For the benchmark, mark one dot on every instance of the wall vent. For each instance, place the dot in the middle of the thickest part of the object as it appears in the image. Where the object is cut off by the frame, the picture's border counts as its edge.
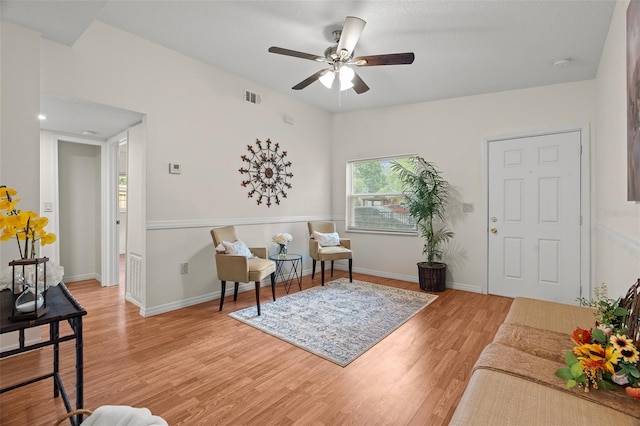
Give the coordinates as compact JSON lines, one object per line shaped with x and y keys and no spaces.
{"x":135,"y":277}
{"x":252,"y":97}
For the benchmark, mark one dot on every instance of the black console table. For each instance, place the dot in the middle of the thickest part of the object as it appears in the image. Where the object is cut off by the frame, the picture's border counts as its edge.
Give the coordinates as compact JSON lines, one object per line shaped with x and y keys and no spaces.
{"x":62,"y":306}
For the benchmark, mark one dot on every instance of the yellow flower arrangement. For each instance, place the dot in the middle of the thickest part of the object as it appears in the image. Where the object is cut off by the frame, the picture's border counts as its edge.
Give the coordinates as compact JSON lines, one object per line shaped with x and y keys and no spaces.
{"x":603,"y":356}
{"x":25,"y":226}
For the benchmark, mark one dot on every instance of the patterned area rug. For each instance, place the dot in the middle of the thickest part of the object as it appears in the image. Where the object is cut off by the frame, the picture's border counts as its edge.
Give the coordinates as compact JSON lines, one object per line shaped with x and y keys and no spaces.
{"x":339,"y":321}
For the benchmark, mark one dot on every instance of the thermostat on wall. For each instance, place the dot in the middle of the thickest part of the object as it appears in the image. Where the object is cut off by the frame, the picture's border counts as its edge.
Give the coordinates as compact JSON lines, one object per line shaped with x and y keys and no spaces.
{"x":174,"y":168}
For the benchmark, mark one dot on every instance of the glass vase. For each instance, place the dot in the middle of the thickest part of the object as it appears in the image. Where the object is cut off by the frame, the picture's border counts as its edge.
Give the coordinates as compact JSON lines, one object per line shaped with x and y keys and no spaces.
{"x":282,"y":253}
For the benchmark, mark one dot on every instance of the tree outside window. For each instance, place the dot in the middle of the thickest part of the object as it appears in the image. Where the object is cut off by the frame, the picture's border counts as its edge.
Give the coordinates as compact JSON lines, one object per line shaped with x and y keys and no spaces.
{"x":375,"y":200}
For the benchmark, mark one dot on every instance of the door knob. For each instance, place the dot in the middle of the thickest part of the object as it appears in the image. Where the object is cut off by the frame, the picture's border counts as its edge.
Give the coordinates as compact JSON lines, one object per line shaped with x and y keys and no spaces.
{"x":494,"y":230}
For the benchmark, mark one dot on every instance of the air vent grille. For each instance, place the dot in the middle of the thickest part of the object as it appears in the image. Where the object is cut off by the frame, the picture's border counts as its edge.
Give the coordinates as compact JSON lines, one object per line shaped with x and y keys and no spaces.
{"x":252,"y":97}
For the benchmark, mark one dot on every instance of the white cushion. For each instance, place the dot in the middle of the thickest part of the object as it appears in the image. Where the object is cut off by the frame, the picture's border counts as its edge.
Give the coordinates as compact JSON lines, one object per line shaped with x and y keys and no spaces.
{"x":237,"y":247}
{"x":220,"y":248}
{"x":327,"y":240}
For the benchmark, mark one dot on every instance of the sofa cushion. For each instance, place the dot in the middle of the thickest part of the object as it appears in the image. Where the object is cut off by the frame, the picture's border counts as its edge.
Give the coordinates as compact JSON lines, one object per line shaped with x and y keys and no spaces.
{"x":552,"y":316}
{"x":496,"y":399}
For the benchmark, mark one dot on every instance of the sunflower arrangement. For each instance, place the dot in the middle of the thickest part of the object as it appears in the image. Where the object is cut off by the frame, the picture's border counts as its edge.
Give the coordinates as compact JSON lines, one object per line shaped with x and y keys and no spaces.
{"x":25,"y":226}
{"x":604,"y":356}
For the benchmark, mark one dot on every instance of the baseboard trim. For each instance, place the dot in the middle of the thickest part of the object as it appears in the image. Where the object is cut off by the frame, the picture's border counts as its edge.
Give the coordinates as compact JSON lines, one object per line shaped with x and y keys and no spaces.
{"x":13,"y":346}
{"x":82,"y":277}
{"x":185,"y":303}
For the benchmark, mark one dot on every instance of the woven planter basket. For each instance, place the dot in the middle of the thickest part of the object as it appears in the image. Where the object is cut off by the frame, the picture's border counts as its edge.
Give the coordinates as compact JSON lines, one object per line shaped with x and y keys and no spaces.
{"x":432,"y":277}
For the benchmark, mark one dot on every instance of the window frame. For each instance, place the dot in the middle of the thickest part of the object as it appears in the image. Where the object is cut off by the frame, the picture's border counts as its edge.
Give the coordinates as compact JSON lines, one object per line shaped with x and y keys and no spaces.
{"x":351,"y":197}
{"x":122,"y":193}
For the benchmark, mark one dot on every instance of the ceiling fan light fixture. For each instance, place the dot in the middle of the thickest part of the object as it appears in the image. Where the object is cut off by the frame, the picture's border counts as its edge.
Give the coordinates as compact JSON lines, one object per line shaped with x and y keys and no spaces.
{"x":327,"y":79}
{"x":346,"y":86}
{"x":346,"y":77}
{"x":341,"y":54}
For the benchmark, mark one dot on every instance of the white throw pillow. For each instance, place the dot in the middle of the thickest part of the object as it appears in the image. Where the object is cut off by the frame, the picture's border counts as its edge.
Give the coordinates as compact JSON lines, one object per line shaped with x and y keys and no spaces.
{"x":237,"y":247}
{"x":326,"y":240}
{"x":220,"y":248}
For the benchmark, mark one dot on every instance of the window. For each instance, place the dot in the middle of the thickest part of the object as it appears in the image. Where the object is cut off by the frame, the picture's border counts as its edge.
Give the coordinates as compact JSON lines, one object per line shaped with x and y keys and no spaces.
{"x":374,"y":197}
{"x":122,"y":193}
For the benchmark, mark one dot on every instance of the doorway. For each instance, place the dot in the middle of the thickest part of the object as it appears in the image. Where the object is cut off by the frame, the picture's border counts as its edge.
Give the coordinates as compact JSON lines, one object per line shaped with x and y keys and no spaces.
{"x":536,"y":239}
{"x":85,"y":122}
{"x":79,"y":210}
{"x":121,"y":222}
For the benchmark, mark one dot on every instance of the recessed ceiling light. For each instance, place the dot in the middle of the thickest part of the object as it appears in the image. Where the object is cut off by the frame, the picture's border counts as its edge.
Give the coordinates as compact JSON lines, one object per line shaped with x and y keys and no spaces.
{"x":42,"y":117}
{"x":562,"y":62}
{"x":89,"y":132}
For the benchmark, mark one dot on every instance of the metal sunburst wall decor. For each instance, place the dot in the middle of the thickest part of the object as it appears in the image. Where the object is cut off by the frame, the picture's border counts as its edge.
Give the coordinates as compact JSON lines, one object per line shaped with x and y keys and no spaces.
{"x":268,"y":172}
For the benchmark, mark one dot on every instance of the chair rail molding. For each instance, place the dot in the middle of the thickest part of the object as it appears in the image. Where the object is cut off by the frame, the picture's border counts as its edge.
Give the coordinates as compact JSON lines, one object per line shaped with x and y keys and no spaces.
{"x":631,"y":244}
{"x":208,"y":223}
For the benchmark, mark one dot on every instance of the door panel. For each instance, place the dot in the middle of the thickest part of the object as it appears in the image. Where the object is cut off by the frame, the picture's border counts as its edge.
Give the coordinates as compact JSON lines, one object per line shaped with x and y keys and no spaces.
{"x":534,"y":211}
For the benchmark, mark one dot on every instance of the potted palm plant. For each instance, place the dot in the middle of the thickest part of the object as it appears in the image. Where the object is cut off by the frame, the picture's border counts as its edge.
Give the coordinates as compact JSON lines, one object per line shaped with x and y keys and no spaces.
{"x":426,"y":193}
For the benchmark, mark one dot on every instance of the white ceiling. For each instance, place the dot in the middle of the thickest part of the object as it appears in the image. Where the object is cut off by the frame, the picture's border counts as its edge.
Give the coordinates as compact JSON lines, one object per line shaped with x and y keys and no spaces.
{"x":462,"y":48}
{"x":87,"y":119}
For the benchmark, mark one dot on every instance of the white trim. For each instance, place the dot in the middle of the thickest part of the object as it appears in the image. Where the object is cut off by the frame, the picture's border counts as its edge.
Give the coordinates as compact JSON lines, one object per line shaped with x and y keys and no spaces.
{"x":109,"y":193}
{"x":57,"y":138}
{"x":381,"y":157}
{"x":208,"y":223}
{"x":54,"y":222}
{"x":131,"y":299}
{"x":585,"y":198}
{"x":628,"y":242}
{"x":184,"y":303}
{"x":81,"y":277}
{"x":413,"y":278}
{"x":12,"y":346}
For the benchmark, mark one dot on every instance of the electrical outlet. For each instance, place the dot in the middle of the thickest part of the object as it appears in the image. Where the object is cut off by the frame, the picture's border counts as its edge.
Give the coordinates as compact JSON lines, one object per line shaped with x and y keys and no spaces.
{"x":184,"y":268}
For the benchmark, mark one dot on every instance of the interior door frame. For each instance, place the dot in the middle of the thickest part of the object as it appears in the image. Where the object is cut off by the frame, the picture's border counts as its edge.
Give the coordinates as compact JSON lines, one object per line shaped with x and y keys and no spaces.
{"x":586,"y":271}
{"x":109,"y":273}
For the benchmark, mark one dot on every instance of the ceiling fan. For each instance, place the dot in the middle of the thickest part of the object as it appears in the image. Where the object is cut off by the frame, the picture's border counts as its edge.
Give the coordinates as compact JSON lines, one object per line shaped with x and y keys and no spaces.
{"x":340,"y":58}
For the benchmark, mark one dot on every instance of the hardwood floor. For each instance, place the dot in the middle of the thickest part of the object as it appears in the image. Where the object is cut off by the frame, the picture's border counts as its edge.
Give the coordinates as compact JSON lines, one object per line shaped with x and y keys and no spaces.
{"x":198,"y":366}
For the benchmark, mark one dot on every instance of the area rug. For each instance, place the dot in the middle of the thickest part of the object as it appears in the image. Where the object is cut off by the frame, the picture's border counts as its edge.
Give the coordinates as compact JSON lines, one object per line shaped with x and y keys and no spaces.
{"x":340,"y":321}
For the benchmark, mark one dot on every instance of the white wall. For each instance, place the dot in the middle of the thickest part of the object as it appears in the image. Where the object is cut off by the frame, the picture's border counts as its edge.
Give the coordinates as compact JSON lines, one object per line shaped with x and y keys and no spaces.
{"x":449,"y":133}
{"x":80,"y":210}
{"x":19,"y":133}
{"x":617,"y":221}
{"x":196,"y":116}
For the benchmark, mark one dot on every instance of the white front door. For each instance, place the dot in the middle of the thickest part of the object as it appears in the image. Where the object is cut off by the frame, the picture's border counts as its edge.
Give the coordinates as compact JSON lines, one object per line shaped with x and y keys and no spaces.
{"x":534,"y":217}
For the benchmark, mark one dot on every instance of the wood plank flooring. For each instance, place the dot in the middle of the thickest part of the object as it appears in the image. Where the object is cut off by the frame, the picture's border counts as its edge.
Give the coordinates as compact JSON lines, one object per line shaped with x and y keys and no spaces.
{"x":198,"y":366}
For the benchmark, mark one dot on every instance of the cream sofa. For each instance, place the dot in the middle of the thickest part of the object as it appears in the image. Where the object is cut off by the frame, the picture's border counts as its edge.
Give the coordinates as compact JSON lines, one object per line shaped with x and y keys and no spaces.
{"x":497,"y":396}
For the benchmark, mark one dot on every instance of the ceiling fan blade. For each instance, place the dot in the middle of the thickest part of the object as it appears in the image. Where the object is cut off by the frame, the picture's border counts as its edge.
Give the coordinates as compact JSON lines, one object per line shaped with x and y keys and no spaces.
{"x":390,"y":59}
{"x":358,"y":84}
{"x":296,"y":54}
{"x":350,"y":35}
{"x":307,"y":81}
